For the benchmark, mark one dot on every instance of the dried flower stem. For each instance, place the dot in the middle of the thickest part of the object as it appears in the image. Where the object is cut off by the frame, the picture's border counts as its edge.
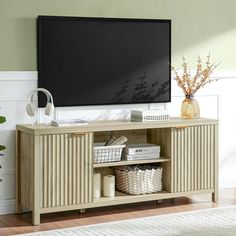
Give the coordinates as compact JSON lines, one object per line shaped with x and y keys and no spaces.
{"x":190,"y":85}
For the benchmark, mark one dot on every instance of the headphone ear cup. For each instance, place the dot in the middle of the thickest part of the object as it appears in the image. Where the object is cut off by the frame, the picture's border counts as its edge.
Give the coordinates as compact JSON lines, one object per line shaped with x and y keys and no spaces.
{"x":49,"y":109}
{"x":30,"y":108}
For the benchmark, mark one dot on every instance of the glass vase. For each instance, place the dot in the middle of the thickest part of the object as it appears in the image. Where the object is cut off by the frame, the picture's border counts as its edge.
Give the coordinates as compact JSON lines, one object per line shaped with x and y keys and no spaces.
{"x":190,"y":108}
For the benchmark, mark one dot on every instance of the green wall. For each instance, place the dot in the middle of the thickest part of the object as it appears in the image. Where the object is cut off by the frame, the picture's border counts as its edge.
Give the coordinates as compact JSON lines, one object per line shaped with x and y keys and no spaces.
{"x":198,"y":26}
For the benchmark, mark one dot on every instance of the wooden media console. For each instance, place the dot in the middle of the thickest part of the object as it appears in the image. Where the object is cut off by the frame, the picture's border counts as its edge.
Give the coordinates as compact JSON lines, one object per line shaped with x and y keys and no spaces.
{"x":55,"y":164}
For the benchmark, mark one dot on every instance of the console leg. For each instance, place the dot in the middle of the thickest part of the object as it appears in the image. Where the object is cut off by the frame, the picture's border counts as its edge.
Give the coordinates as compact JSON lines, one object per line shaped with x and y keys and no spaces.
{"x":159,"y":201}
{"x":18,"y":209}
{"x":170,"y":200}
{"x":215,"y":196}
{"x":35,"y":218}
{"x":82,"y":211}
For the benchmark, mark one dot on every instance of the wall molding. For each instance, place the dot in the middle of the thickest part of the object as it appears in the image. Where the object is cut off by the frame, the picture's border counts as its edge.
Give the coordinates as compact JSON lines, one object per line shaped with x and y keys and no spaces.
{"x":33,"y":75}
{"x":18,"y":75}
{"x":224,"y":74}
{"x":229,"y":183}
{"x":7,"y":206}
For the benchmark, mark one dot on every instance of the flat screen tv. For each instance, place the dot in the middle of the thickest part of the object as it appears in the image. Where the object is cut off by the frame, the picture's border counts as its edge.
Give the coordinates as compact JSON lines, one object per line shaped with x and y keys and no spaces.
{"x":101,"y":61}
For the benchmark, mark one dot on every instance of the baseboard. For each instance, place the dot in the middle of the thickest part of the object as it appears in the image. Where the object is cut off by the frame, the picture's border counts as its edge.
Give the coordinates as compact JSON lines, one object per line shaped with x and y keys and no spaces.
{"x":7,"y":206}
{"x":227,"y":183}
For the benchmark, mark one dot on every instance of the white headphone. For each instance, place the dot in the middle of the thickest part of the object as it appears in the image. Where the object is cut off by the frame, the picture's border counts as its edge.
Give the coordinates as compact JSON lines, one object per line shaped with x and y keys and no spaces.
{"x":31,"y":109}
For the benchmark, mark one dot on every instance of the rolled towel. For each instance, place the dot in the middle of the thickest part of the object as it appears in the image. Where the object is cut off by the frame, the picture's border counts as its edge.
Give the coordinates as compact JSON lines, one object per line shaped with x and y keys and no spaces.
{"x":110,"y":140}
{"x":119,"y":141}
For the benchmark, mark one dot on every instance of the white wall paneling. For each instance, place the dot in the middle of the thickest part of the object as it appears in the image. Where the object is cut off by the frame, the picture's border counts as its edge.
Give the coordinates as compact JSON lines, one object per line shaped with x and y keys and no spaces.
{"x":216,"y":100}
{"x":7,"y":206}
{"x":7,"y":161}
{"x":109,"y":112}
{"x":7,"y":192}
{"x":14,"y":89}
{"x":15,"y":113}
{"x":7,"y":186}
{"x":16,"y":85}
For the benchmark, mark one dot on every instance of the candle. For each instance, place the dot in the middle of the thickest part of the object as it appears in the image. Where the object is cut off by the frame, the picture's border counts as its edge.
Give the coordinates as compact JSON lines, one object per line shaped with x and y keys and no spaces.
{"x":109,"y":186}
{"x":96,"y":185}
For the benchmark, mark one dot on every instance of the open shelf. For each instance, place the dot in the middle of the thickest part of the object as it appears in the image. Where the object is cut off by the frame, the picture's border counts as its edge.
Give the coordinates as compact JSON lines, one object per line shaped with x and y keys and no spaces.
{"x":133,"y":162}
{"x":184,"y":148}
{"x":123,"y":197}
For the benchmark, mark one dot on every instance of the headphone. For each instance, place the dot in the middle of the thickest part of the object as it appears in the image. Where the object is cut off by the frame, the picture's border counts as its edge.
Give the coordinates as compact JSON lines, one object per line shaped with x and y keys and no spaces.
{"x":31,"y":109}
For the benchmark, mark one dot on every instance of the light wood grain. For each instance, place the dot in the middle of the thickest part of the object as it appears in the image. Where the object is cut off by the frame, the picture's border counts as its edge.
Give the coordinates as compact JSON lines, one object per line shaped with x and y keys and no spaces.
{"x":26,"y":164}
{"x":215,"y":195}
{"x":124,"y":199}
{"x":133,"y":136}
{"x":55,"y":165}
{"x":133,"y":162}
{"x":64,"y":166}
{"x":102,"y":126}
{"x":18,"y":172}
{"x":162,"y":137}
{"x":191,"y":159}
{"x":36,"y":181}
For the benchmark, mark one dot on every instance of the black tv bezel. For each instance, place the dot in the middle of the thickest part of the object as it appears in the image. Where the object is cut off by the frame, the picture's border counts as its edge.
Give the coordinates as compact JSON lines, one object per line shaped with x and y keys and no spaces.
{"x":43,"y":17}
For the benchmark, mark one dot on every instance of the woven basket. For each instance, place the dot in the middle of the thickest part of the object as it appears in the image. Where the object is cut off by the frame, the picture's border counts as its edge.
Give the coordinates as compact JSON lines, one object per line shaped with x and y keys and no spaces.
{"x":104,"y":154}
{"x":134,"y":181}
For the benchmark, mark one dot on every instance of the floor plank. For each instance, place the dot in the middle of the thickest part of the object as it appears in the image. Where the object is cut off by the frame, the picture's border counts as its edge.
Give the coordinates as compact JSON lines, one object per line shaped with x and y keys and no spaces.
{"x":17,"y":224}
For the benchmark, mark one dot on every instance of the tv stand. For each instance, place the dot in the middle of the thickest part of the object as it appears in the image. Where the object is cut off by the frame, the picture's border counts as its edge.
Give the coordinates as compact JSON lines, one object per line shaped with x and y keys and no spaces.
{"x":55,"y":164}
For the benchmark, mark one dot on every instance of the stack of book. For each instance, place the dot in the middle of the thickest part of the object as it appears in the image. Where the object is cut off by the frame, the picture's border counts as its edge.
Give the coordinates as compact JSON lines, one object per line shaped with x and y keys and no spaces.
{"x":142,"y":151}
{"x":69,"y":122}
{"x":149,"y":115}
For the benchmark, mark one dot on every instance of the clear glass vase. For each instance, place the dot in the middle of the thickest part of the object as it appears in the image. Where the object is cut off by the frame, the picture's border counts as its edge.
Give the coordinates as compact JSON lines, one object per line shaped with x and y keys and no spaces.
{"x":190,"y":108}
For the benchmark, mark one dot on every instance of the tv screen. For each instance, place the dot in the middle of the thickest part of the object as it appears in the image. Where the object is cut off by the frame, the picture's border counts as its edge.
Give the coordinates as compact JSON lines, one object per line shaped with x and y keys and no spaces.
{"x":99,"y":61}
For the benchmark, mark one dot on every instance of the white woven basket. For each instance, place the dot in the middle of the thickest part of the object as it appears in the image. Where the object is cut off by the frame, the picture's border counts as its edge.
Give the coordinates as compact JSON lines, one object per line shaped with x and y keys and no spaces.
{"x":104,"y":154}
{"x":138,"y":181}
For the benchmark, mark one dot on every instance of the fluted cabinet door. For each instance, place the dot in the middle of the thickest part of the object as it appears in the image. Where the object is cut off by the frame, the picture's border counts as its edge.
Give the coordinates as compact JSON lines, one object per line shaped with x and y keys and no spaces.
{"x":193,"y":158}
{"x":66,"y":169}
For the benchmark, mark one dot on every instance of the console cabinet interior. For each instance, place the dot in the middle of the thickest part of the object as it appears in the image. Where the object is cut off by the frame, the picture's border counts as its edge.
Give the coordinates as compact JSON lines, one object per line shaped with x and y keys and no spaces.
{"x":55,"y":165}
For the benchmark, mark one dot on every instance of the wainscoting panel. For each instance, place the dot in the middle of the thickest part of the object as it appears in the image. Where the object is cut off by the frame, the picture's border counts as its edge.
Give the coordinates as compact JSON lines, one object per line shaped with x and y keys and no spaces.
{"x":7,"y":186}
{"x":15,"y":86}
{"x":7,"y":159}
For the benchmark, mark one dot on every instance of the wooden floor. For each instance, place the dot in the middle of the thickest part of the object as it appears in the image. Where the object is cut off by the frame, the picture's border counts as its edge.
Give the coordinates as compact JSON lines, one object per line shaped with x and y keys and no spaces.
{"x":16,"y":224}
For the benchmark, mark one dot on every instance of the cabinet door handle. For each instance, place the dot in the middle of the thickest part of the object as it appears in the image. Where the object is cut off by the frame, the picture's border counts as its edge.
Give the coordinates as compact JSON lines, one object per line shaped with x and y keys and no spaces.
{"x":0,"y":180}
{"x":181,"y":127}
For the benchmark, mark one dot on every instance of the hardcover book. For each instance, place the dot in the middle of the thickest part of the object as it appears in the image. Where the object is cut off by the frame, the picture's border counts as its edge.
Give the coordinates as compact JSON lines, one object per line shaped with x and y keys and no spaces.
{"x":141,"y":148}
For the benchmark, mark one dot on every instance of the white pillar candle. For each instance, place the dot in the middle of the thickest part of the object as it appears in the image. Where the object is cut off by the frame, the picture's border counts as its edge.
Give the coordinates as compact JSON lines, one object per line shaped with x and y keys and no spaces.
{"x":109,"y":186}
{"x":96,"y":185}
